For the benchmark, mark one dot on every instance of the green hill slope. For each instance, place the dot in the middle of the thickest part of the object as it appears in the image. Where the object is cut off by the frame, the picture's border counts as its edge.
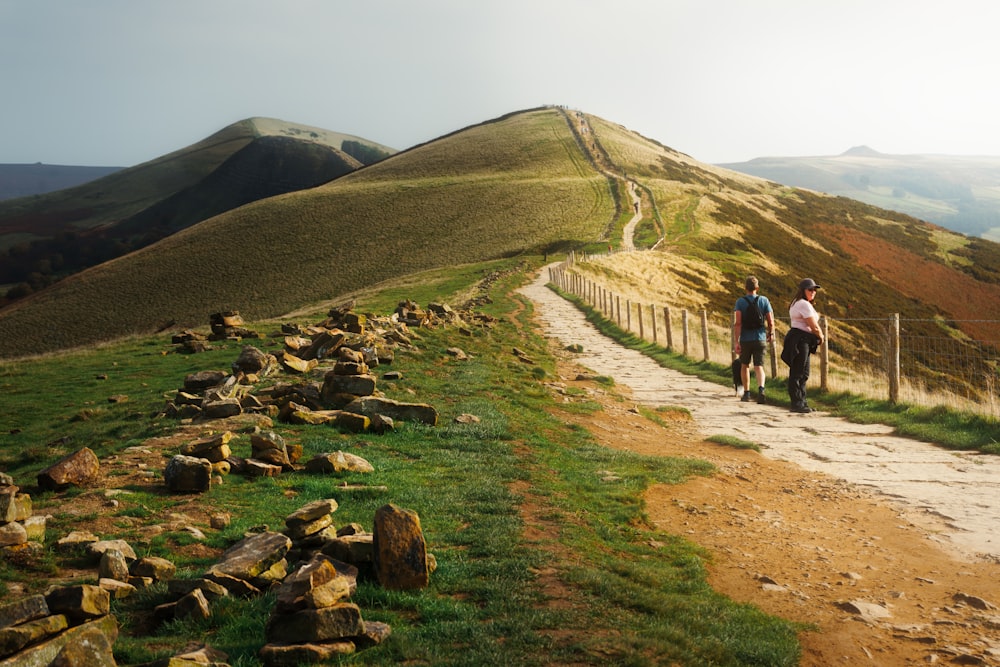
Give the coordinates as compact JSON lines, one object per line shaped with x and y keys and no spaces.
{"x":48,"y":237}
{"x":519,"y":183}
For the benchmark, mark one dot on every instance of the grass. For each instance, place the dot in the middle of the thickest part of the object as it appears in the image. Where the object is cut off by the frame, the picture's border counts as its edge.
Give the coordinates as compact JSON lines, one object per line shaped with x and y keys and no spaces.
{"x":630,"y":594}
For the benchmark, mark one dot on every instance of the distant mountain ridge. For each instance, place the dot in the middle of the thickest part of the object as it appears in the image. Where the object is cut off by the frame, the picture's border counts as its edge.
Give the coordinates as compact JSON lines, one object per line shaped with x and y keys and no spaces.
{"x":961,"y":193}
{"x":25,"y":180}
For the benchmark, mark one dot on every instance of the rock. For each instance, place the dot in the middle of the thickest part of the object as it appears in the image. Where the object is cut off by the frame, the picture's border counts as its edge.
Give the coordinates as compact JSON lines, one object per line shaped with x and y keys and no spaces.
{"x":868,"y":611}
{"x":338,"y":462}
{"x":308,"y":513}
{"x":12,"y":534}
{"x":46,"y":652}
{"x":312,"y":653}
{"x":113,"y":566}
{"x":159,"y":569}
{"x":253,"y":361}
{"x":375,"y":633}
{"x":269,"y":447}
{"x":214,"y":448}
{"x":252,"y":556}
{"x":355,"y":385}
{"x":195,"y":383}
{"x":192,"y":606}
{"x":187,"y":474}
{"x":34,"y":526}
{"x":92,"y":648}
{"x":316,"y":625}
{"x":14,"y":506}
{"x":294,"y":364}
{"x":357,"y":550}
{"x":15,"y":638}
{"x":370,"y":405}
{"x":222,"y":408}
{"x":400,"y":553}
{"x":79,"y":603}
{"x":118,"y":590}
{"x":973,"y":601}
{"x":315,"y":585}
{"x":77,"y":540}
{"x":23,"y":610}
{"x":210,"y":589}
{"x":96,"y":549}
{"x":78,"y":469}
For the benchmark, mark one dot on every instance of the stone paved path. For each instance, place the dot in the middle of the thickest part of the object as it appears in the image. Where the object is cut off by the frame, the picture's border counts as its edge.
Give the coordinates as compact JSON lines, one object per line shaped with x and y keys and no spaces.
{"x":962,"y":489}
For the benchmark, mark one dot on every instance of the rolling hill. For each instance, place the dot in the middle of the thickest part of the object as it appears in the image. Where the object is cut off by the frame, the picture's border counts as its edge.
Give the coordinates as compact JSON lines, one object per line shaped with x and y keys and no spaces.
{"x":47,"y":237}
{"x":541,"y":180}
{"x":959,"y":193}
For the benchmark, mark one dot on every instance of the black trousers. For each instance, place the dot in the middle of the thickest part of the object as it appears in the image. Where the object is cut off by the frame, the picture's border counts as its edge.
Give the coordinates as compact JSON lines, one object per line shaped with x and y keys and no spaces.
{"x":798,"y":371}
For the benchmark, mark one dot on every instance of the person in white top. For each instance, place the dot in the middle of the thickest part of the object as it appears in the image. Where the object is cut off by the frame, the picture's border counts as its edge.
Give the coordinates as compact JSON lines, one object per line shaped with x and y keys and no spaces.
{"x":802,"y":339}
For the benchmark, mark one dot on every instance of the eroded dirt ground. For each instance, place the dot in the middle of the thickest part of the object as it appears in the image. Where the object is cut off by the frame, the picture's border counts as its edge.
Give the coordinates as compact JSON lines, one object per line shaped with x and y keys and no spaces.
{"x":872,"y":582}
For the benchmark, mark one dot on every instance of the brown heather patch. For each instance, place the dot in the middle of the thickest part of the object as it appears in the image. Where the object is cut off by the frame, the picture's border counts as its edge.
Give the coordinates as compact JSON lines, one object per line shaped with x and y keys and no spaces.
{"x":914,"y":276}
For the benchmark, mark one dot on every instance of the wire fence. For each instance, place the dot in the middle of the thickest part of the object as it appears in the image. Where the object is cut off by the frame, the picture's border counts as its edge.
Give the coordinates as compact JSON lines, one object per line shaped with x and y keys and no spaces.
{"x":926,"y":362}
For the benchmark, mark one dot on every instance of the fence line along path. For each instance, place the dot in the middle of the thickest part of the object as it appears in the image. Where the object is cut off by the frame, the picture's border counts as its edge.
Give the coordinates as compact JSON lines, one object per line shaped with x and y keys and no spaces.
{"x":957,"y":490}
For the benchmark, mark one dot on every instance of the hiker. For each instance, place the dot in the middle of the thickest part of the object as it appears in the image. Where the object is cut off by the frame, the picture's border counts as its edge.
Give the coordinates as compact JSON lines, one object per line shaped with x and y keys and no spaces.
{"x":802,"y":340}
{"x":752,"y":330}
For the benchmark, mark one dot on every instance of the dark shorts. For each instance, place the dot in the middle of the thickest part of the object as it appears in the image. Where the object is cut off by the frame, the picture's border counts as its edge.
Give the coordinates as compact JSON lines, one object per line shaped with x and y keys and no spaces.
{"x":752,"y":350}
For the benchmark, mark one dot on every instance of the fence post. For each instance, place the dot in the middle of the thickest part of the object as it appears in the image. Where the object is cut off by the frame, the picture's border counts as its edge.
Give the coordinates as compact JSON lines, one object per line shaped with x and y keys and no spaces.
{"x":652,"y":317}
{"x":684,"y":329}
{"x":669,"y":330}
{"x":628,"y":316}
{"x":824,"y":353}
{"x":618,"y":310}
{"x":894,"y":358}
{"x":704,"y":332}
{"x":638,"y":310}
{"x":732,"y":333}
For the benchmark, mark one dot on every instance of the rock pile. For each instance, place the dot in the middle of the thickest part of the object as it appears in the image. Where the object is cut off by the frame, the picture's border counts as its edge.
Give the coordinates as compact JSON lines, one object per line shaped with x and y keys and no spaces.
{"x":343,"y":349}
{"x":69,"y":625}
{"x":19,"y":530}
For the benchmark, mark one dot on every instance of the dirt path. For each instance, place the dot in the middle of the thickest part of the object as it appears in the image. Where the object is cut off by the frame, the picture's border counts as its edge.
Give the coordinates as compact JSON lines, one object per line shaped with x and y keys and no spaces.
{"x":889,"y":546}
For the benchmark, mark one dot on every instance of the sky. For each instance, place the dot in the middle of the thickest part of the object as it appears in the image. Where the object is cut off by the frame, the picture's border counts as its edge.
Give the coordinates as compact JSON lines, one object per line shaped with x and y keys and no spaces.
{"x":120,"y":82}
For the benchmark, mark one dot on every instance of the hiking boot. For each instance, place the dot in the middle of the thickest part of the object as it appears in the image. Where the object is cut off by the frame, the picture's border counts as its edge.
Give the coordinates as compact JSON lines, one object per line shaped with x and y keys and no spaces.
{"x":760,"y":396}
{"x":802,"y":409}
{"x":746,"y":397}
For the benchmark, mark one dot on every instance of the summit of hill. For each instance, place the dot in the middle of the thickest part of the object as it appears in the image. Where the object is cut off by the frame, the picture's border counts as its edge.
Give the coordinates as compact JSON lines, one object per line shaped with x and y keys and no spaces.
{"x":534,"y":183}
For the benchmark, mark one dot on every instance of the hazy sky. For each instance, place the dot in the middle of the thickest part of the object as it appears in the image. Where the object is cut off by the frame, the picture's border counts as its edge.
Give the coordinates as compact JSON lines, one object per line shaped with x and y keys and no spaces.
{"x":119,"y":82}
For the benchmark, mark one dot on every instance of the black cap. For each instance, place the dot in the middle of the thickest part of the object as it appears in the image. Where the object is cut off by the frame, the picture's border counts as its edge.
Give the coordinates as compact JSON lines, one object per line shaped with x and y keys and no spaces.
{"x":808,"y":283}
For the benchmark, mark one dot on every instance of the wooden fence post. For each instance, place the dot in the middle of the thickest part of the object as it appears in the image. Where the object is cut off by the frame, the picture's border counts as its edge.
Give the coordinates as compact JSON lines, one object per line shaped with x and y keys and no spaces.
{"x":824,"y":354}
{"x":704,"y":332}
{"x":652,"y":317}
{"x":628,"y":316}
{"x":684,"y":328}
{"x":893,"y":358}
{"x":668,"y":329}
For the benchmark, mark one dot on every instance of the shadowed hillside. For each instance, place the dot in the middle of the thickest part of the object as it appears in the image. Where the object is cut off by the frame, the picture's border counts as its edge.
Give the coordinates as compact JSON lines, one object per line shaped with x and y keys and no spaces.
{"x":45,"y":238}
{"x":24,"y":180}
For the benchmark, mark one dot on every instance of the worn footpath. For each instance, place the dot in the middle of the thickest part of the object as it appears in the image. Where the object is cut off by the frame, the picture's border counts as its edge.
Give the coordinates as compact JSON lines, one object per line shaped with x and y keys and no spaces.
{"x":954,"y":495}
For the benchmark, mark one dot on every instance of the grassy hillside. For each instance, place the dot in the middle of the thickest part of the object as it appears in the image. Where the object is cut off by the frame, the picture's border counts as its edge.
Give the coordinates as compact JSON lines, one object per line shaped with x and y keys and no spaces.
{"x":45,"y":238}
{"x":24,"y":180}
{"x":517,"y":184}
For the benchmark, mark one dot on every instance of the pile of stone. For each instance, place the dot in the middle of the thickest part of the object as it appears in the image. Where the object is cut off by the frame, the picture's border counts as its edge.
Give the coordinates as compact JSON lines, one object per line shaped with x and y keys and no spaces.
{"x":343,"y":348}
{"x":69,"y":625}
{"x":229,"y":326}
{"x":19,"y":530}
{"x":206,"y":460}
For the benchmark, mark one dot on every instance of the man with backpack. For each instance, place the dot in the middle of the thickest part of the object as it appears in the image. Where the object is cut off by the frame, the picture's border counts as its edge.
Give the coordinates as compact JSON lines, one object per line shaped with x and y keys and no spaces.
{"x":753,"y":329}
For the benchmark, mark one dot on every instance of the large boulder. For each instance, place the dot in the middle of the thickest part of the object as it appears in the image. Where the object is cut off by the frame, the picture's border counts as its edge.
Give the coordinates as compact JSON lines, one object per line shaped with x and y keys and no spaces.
{"x":78,"y":469}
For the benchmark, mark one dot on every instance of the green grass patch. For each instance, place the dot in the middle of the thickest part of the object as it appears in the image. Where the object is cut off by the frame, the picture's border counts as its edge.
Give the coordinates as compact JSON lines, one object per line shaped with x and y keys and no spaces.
{"x":630,"y":594}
